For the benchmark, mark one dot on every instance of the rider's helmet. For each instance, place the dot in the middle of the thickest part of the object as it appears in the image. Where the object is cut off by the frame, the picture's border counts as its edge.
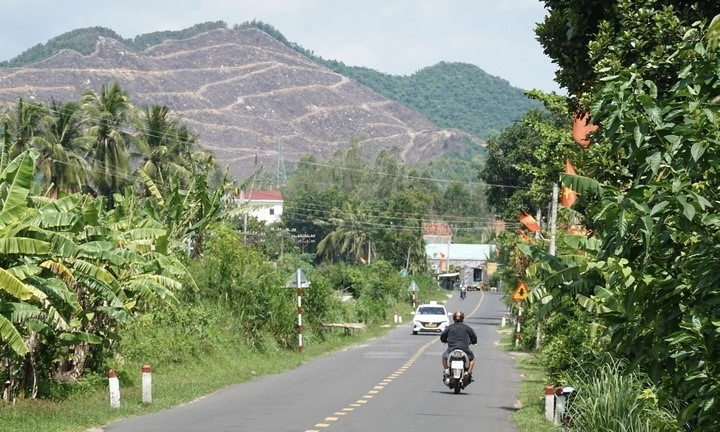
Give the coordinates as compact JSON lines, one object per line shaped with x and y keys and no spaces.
{"x":458,"y":316}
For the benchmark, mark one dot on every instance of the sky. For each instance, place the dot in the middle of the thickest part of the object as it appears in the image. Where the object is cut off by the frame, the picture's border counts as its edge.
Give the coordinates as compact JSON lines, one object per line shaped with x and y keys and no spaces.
{"x":397,"y":37}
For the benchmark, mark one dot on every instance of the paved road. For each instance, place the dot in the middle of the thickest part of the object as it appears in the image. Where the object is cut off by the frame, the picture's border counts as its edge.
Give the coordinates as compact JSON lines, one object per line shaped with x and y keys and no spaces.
{"x":389,"y":384}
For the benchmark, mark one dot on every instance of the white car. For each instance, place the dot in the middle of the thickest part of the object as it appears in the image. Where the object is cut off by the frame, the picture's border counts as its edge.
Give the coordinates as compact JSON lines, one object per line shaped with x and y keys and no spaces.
{"x":430,"y":318}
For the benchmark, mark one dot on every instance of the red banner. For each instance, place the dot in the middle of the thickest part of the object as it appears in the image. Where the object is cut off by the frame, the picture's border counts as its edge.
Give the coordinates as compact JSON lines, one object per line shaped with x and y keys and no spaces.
{"x":568,"y":196}
{"x":582,"y":128}
{"x":529,"y":222}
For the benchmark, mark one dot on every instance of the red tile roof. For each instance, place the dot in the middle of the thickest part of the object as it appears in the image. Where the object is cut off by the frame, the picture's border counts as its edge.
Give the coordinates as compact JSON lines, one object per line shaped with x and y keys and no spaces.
{"x":436,"y":228}
{"x":261,"y":195}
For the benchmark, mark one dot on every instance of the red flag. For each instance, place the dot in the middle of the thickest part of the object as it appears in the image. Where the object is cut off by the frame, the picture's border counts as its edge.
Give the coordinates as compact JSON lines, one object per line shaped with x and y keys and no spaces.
{"x":569,"y":196}
{"x":529,"y":222}
{"x":582,"y":127}
{"x":523,"y":235}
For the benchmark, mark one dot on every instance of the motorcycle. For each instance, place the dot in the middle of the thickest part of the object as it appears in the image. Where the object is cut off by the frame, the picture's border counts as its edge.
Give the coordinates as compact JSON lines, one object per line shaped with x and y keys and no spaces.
{"x":463,"y":293}
{"x":458,"y":378}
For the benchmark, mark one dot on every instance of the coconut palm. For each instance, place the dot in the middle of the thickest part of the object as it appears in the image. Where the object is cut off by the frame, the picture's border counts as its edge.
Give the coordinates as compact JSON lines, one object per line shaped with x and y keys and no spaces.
{"x":350,"y":236}
{"x":166,"y":147}
{"x":63,"y":150}
{"x":22,"y":124}
{"x":110,"y":115}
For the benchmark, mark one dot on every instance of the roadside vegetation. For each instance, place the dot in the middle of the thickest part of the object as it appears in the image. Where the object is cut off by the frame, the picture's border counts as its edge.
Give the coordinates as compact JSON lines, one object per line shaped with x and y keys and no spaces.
{"x":122,"y":245}
{"x":623,"y":284}
{"x":623,"y":299}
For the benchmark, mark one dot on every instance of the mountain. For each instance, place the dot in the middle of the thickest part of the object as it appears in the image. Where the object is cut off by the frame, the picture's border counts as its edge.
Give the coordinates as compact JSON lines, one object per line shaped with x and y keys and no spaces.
{"x":452,"y":95}
{"x":253,"y":98}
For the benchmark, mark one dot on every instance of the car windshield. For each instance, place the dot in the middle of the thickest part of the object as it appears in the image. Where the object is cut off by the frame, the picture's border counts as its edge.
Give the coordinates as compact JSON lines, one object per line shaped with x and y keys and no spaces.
{"x":431,"y":311}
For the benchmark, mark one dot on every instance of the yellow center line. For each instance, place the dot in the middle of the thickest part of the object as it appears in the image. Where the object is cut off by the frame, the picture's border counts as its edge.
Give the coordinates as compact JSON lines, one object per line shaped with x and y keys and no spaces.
{"x":376,"y":389}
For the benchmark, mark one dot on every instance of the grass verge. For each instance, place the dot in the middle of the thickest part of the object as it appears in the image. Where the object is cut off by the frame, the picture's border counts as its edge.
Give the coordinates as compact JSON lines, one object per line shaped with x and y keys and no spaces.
{"x":173,"y":385}
{"x":530,"y":415}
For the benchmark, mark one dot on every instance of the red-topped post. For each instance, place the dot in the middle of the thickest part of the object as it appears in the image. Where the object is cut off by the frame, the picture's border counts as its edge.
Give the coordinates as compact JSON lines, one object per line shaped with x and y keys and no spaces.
{"x":114,"y":386}
{"x":146,"y":384}
{"x":549,"y":403}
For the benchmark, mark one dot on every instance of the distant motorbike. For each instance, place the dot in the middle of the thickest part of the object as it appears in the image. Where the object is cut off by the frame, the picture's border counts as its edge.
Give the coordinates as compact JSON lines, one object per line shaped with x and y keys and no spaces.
{"x":463,"y":293}
{"x":458,"y":378}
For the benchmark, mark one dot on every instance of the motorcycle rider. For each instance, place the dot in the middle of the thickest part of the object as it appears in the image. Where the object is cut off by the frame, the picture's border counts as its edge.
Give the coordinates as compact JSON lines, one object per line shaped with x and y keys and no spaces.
{"x":458,"y":335}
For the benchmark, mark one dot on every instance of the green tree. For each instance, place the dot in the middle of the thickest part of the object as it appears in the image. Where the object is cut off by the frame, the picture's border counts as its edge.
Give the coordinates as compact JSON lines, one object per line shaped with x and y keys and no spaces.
{"x":350,"y":235}
{"x":111,"y":115}
{"x":655,"y":297}
{"x":167,"y":147}
{"x":22,"y":124}
{"x":63,"y":150}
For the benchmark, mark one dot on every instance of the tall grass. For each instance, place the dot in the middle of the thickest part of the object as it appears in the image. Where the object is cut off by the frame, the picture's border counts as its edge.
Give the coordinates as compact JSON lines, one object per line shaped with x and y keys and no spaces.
{"x":609,"y":399}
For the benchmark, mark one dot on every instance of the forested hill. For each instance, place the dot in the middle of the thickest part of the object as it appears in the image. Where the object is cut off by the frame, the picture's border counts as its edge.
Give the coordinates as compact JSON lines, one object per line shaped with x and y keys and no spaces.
{"x":451,"y":95}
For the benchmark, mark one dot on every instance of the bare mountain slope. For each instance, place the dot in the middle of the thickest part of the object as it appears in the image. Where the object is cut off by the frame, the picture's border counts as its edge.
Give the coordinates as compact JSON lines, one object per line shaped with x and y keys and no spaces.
{"x":245,"y":94}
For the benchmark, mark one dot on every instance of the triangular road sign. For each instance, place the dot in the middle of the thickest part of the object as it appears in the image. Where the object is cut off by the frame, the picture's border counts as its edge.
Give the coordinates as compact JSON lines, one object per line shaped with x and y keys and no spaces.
{"x":520,"y":292}
{"x":413,"y":287}
{"x":298,"y":279}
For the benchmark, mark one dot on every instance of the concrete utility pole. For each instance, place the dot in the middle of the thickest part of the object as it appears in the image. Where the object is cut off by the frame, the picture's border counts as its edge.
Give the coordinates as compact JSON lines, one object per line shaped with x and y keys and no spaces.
{"x":553,"y":218}
{"x":551,"y":251}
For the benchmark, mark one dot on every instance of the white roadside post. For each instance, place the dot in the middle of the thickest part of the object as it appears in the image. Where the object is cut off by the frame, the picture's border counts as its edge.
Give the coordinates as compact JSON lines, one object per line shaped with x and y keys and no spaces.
{"x":549,"y":403}
{"x":114,"y":385}
{"x":146,"y":384}
{"x":559,"y":406}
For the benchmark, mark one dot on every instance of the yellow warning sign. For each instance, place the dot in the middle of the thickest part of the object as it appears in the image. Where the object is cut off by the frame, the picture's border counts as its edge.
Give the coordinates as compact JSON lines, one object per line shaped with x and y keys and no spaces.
{"x":520,"y":292}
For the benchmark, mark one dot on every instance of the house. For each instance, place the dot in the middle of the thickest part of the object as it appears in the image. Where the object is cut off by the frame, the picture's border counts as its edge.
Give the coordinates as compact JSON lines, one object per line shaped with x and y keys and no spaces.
{"x":469,"y":261}
{"x":436,"y":232}
{"x":265,"y":205}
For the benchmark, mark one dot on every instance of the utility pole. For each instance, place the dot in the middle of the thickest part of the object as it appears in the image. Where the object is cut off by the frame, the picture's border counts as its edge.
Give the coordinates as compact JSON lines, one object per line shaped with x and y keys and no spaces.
{"x":551,"y":251}
{"x":553,"y":218}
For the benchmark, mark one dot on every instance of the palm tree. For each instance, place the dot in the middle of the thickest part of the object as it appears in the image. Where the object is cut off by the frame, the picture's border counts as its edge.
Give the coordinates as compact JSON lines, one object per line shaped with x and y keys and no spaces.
{"x":351,"y":234}
{"x":63,"y":149}
{"x":22,"y":124}
{"x":166,"y":147}
{"x":110,"y":114}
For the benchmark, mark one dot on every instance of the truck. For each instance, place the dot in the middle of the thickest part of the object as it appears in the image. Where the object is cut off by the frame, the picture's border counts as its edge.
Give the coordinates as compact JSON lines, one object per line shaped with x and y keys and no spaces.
{"x":472,"y":278}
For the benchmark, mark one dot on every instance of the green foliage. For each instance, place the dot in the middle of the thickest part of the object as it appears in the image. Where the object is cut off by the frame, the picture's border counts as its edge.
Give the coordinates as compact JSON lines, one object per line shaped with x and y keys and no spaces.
{"x":147,"y":40}
{"x":570,"y":341}
{"x":359,"y":208}
{"x":173,"y":334}
{"x":649,"y":71}
{"x":80,"y":40}
{"x":525,"y":160}
{"x":237,"y":277}
{"x":452,"y":95}
{"x":612,"y":398}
